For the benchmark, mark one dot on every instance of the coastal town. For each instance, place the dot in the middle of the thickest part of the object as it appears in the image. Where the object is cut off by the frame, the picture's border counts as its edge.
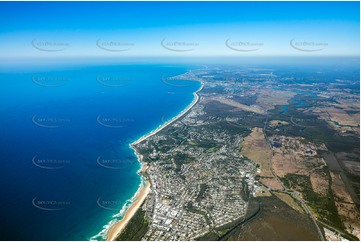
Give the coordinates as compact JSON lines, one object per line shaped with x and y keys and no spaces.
{"x":244,"y":138}
{"x":180,"y":120}
{"x":209,"y":191}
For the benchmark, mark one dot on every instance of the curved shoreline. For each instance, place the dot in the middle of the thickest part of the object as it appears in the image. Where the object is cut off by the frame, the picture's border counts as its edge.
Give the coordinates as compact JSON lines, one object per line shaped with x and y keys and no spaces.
{"x":116,"y":229}
{"x":162,"y":126}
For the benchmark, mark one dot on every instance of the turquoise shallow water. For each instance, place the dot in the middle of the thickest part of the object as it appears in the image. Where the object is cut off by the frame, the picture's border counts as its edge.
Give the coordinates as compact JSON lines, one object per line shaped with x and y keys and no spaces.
{"x":66,"y":167}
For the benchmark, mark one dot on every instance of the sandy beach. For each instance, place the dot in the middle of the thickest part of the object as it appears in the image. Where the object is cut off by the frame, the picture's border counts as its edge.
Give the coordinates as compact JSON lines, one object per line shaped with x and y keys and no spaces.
{"x":118,"y":227}
{"x":195,"y":100}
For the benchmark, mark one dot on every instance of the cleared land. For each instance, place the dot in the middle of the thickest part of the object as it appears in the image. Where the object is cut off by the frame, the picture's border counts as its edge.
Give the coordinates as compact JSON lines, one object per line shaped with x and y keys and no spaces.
{"x":254,"y":109}
{"x":289,"y":201}
{"x":345,"y":205}
{"x":269,"y":98}
{"x":255,"y":148}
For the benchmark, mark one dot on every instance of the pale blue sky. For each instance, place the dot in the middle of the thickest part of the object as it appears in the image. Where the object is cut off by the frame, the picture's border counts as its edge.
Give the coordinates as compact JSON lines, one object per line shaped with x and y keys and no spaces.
{"x":92,"y":29}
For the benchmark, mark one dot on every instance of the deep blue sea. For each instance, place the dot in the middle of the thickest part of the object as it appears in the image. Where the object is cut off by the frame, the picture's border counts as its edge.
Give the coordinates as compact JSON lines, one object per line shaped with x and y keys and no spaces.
{"x":66,"y":166}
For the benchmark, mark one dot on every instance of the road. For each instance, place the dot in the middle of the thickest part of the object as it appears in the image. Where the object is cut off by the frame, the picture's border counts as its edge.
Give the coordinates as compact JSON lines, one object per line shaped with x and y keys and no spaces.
{"x":294,"y":194}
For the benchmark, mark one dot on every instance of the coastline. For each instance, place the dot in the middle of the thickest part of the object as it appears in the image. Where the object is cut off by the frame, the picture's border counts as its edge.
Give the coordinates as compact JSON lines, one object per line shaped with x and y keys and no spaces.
{"x":116,"y":229}
{"x":162,"y":126}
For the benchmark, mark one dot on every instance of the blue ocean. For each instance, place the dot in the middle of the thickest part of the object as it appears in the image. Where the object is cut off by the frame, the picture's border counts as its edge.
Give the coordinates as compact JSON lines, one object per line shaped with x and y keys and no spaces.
{"x":66,"y":165}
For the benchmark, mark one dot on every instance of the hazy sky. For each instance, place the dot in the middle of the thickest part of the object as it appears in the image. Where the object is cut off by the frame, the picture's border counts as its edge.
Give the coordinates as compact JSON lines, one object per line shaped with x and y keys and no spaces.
{"x":121,"y":29}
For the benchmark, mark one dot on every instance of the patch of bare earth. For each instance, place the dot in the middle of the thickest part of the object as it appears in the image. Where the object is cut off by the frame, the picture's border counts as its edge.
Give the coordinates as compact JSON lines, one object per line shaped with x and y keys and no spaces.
{"x":289,"y":201}
{"x":340,"y":116}
{"x":350,"y":162}
{"x":269,"y":98}
{"x":253,"y":108}
{"x":255,"y":148}
{"x":346,"y":208}
{"x":275,"y":123}
{"x":272,"y":183}
{"x":320,"y":182}
{"x":293,"y":155}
